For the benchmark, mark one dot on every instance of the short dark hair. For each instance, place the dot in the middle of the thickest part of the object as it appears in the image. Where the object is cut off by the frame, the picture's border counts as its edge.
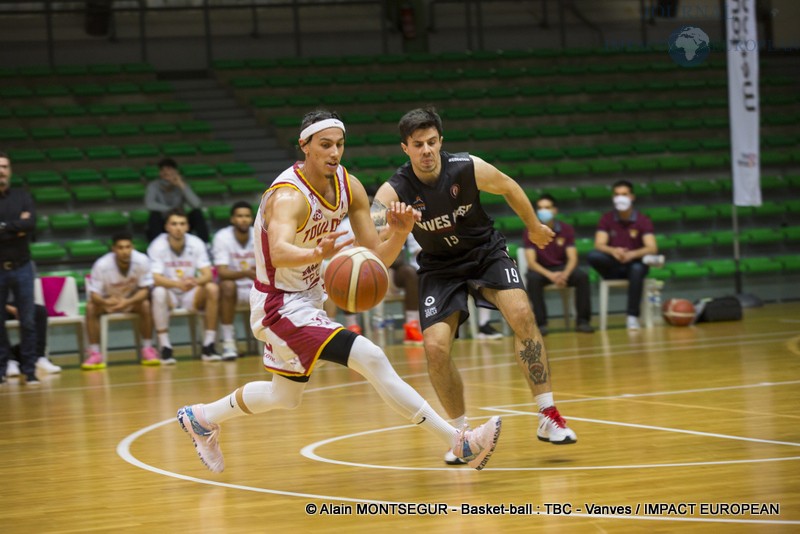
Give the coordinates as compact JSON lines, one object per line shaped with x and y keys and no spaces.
{"x":167,"y":162}
{"x":239,"y":205}
{"x":315,"y":116}
{"x":622,"y":183}
{"x":546,"y":196}
{"x":177,"y":212}
{"x":121,"y":236}
{"x":419,"y":119}
{"x":4,"y":155}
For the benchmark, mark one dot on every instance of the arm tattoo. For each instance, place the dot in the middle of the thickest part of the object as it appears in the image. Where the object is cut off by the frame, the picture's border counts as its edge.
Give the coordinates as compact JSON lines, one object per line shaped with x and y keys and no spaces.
{"x":531,"y":356}
{"x":378,"y":213}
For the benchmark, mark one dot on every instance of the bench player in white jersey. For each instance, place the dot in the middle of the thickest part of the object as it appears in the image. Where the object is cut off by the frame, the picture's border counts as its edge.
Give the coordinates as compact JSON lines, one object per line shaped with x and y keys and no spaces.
{"x":235,"y":260}
{"x":183,"y":279}
{"x":120,"y":282}
{"x":296,"y":230}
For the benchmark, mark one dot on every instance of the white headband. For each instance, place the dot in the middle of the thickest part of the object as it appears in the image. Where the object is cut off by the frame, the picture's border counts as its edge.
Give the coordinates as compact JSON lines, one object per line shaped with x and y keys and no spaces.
{"x":311,"y":129}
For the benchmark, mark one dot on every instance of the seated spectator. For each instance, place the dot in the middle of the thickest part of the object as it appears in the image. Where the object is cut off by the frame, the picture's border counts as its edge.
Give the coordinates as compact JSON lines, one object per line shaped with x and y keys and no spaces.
{"x":234,"y":257}
{"x":171,"y":191}
{"x":183,"y":279}
{"x":43,"y":363}
{"x":557,"y":264}
{"x":624,"y":236}
{"x":120,"y":282}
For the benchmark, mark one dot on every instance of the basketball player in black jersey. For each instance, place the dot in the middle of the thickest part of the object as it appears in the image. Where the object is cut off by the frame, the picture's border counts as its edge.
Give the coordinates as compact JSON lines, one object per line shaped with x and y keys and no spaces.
{"x":462,"y":254}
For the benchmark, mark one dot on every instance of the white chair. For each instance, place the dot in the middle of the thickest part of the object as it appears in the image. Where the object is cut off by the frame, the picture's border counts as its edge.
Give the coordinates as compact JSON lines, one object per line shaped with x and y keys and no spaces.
{"x":606,"y":285}
{"x":567,"y":293}
{"x":65,"y":301}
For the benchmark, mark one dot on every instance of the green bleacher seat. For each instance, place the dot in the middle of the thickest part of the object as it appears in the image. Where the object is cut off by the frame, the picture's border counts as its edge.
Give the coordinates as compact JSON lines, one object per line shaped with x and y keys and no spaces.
{"x":761,"y":236}
{"x":791,"y":233}
{"x":27,"y":156}
{"x":194,"y":127}
{"x":760,"y":265}
{"x":563,"y":194}
{"x":109,"y":219}
{"x":205,"y":188}
{"x":702,"y":187}
{"x":175,"y":107}
{"x":86,"y":248}
{"x":648,"y":147}
{"x":584,"y":245}
{"x":198,"y":170}
{"x":39,"y":178}
{"x":220,"y":213}
{"x":13,"y":134}
{"x":536,"y":170}
{"x":214,"y":147}
{"x":693,"y":240}
{"x":42,"y":222}
{"x":103,"y":152}
{"x":605,"y":166}
{"x":91,"y":193}
{"x":140,"y":108}
{"x":158,"y":128}
{"x":580,"y":151}
{"x":510,"y":224}
{"x":725,"y":210}
{"x":666,"y":241}
{"x":586,"y":219}
{"x":121,"y":174}
{"x":83,"y":176}
{"x":235,"y":169}
{"x":697,"y":213}
{"x":139,"y":217}
{"x":47,"y":251}
{"x":31,"y":112}
{"x":684,"y":145}
{"x":790,"y":262}
{"x":688,"y":269}
{"x":710,"y":161}
{"x":156,"y":87}
{"x":595,"y":192}
{"x":770,"y":209}
{"x":65,"y":154}
{"x":381,"y":138}
{"x":51,"y":195}
{"x":615,"y":149}
{"x":121,"y":130}
{"x":639,"y":165}
{"x":674,"y":163}
{"x":46,"y":133}
{"x":85,"y":130}
{"x":722,"y":238}
{"x":141,"y":151}
{"x":128,"y":191}
{"x":68,"y":221}
{"x":587,"y":129}
{"x":246,"y":185}
{"x":178,"y":149}
{"x":571,"y":168}
{"x":667,"y":188}
{"x":720,"y":267}
{"x":662,"y":214}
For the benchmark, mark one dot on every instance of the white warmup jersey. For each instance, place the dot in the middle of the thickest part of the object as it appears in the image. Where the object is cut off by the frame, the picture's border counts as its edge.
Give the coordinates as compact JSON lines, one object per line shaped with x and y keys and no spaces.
{"x":323,"y":218}
{"x":228,"y":251}
{"x":177,"y":265}
{"x":107,"y":281}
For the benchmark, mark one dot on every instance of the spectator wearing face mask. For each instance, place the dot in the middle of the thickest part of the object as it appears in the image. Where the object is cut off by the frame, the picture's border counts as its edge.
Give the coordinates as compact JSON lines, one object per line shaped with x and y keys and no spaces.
{"x":624,"y":237}
{"x":557,"y":263}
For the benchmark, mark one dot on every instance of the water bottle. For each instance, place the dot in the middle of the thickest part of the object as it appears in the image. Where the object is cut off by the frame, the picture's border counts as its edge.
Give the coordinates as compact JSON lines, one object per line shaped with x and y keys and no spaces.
{"x":654,"y":300}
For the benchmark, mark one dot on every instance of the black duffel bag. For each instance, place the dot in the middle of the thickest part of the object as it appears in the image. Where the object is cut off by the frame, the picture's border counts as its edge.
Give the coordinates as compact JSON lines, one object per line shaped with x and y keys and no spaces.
{"x":719,"y":309}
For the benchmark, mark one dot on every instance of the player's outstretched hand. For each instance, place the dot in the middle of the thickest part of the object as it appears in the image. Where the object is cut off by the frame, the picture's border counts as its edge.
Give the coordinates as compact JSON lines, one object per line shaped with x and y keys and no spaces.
{"x":328,"y":247}
{"x":541,"y":235}
{"x":401,"y":217}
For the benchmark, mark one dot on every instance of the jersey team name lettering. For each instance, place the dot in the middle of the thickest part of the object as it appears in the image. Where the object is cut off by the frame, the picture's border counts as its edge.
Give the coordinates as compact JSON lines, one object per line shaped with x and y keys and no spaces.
{"x":443,"y":222}
{"x":320,"y":229}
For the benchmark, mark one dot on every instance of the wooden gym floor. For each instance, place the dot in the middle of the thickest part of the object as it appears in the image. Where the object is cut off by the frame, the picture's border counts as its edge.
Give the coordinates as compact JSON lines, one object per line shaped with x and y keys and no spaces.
{"x":690,"y":429}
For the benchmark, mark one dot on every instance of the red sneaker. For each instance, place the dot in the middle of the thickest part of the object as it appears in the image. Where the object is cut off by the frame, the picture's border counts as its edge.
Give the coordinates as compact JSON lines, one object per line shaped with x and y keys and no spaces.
{"x":413,"y":333}
{"x":355,"y":328}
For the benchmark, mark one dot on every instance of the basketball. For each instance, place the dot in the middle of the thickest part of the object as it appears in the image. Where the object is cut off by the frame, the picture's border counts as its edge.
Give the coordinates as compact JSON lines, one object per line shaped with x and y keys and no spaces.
{"x":356,"y":279}
{"x":678,"y":312}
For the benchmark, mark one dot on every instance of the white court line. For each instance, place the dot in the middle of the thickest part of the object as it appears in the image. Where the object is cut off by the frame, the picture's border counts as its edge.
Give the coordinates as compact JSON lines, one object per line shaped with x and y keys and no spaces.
{"x":123,"y":450}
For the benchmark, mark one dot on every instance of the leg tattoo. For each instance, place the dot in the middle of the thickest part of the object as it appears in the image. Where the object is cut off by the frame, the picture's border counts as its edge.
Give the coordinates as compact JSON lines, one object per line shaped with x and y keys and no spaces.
{"x":531,"y":355}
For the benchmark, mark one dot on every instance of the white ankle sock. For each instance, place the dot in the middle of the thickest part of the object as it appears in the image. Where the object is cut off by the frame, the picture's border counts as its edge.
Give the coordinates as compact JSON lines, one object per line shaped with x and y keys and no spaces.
{"x":431,"y":421}
{"x":545,"y":400}
{"x":227,"y":332}
{"x":210,"y":337}
{"x":163,"y":340}
{"x":459,"y":422}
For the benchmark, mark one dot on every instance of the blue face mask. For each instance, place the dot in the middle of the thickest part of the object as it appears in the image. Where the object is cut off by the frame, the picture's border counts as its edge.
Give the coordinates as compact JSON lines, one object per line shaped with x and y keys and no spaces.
{"x":545,"y":215}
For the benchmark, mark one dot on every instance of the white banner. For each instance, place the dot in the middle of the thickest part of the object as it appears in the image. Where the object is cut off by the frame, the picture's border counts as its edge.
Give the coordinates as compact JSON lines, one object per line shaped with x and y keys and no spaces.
{"x":743,"y":101}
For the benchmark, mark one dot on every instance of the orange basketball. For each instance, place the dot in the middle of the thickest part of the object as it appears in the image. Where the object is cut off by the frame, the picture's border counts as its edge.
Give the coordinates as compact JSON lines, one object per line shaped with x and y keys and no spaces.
{"x":356,"y":279}
{"x":678,"y":312}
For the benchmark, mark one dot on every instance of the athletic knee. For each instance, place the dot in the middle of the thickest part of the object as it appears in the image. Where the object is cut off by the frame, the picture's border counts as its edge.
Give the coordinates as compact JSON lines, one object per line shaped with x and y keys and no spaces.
{"x":366,"y":355}
{"x":227,"y":289}
{"x":159,"y":295}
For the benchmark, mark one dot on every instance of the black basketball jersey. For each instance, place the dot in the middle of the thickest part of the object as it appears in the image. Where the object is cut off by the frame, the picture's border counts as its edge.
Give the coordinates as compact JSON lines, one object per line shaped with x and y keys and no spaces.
{"x":454,"y":226}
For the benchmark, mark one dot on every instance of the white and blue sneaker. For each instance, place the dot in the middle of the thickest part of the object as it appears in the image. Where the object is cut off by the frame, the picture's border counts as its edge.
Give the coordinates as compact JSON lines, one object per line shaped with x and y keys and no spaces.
{"x":206,"y":440}
{"x":475,"y":447}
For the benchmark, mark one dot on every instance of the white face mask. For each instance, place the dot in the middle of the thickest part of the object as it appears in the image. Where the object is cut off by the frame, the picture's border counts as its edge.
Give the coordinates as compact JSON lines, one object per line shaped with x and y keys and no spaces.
{"x":544,"y":215}
{"x":622,"y":203}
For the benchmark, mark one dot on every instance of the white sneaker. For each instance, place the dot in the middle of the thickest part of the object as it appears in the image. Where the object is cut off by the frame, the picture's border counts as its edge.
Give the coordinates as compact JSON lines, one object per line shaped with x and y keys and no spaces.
{"x":553,"y":428}
{"x":12,"y":369}
{"x":654,"y":260}
{"x":633,"y":322}
{"x":46,"y":366}
{"x":476,"y":446}
{"x":452,"y":459}
{"x":229,"y":351}
{"x":206,"y":440}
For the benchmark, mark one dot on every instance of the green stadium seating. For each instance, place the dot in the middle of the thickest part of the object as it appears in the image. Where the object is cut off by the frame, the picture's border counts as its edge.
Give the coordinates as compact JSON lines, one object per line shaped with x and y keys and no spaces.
{"x":790,"y":262}
{"x":69,"y":221}
{"x":761,"y":266}
{"x":762,"y":236}
{"x":720,"y":267}
{"x":245,"y":185}
{"x":90,"y":249}
{"x":91,"y":193}
{"x":121,"y":174}
{"x":693,"y":240}
{"x":662,"y":214}
{"x":697,"y":213}
{"x":235,"y":169}
{"x":51,"y":195}
{"x":128,"y":191}
{"x":83,"y":176}
{"x":47,"y":251}
{"x":205,"y":188}
{"x":109,"y":219}
{"x":688,"y":269}
{"x":39,"y":178}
